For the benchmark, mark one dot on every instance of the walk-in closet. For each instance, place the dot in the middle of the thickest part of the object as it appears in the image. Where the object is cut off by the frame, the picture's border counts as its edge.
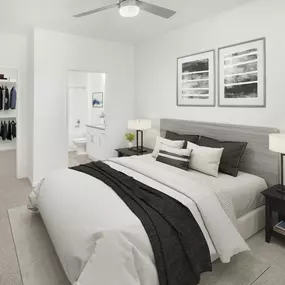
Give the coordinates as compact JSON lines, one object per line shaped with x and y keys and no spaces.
{"x":8,"y":108}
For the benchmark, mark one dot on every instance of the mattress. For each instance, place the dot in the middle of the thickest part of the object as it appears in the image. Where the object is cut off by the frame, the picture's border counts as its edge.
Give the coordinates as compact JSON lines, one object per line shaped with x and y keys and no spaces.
{"x":245,"y":189}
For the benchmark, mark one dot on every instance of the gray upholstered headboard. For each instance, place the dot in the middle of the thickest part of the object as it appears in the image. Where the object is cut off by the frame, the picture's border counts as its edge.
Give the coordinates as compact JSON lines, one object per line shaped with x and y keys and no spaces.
{"x":257,"y":159}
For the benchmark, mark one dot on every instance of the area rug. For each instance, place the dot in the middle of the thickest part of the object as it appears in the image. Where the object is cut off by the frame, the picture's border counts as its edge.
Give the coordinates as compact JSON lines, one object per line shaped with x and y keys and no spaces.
{"x":39,"y":264}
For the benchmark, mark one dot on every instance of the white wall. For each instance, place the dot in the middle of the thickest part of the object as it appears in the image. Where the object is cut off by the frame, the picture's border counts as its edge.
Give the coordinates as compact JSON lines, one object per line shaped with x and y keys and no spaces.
{"x":54,"y":55}
{"x":14,"y":54}
{"x":77,"y":106}
{"x":155,"y":65}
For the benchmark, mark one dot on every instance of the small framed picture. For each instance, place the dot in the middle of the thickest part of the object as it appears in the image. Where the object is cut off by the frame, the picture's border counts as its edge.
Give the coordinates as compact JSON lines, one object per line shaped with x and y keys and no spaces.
{"x":196,"y":79}
{"x":242,"y":74}
{"x":97,"y":100}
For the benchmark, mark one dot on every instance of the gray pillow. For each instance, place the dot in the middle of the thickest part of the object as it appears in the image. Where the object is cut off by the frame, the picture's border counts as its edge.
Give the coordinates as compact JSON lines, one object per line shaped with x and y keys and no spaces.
{"x":177,"y":137}
{"x":231,"y":156}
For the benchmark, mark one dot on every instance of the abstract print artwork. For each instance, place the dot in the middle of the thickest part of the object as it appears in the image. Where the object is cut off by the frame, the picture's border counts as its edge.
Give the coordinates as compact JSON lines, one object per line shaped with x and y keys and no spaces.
{"x":196,"y":79}
{"x":242,"y":74}
{"x":97,"y":100}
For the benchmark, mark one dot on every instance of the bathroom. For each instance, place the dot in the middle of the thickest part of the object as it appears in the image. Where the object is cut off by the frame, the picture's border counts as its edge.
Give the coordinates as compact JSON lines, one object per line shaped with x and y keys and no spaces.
{"x":86,"y":117}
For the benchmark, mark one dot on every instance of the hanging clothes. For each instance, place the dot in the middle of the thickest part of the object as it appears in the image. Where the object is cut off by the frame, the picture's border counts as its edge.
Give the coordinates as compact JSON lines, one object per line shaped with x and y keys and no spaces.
{"x":9,"y":131}
{"x":4,"y":130}
{"x":1,"y":98}
{"x":6,"y":99}
{"x":13,"y":98}
{"x":1,"y":130}
{"x":14,"y":129}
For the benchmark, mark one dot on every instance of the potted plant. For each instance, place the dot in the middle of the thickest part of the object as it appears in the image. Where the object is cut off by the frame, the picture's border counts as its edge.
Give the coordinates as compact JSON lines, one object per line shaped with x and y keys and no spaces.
{"x":130,"y":137}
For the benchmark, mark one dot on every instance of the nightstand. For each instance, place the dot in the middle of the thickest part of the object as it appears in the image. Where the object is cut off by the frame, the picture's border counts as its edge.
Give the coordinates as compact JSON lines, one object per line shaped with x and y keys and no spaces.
{"x":130,"y":152}
{"x":274,"y":202}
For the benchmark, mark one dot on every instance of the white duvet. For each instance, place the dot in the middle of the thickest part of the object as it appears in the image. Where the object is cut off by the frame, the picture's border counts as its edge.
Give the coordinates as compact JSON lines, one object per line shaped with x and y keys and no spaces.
{"x":100,"y":241}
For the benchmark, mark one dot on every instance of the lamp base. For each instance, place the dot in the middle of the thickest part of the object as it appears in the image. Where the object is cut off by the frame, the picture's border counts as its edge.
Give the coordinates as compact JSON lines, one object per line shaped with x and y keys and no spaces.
{"x":138,"y":149}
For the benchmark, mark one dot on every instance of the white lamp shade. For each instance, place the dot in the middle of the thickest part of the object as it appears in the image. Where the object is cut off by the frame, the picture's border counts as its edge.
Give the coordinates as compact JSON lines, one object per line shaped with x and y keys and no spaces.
{"x":139,"y":125}
{"x":277,"y":143}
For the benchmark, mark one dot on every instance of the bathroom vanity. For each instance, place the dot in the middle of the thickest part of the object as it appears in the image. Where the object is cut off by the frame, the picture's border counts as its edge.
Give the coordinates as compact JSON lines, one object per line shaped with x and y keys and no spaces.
{"x":97,"y":142}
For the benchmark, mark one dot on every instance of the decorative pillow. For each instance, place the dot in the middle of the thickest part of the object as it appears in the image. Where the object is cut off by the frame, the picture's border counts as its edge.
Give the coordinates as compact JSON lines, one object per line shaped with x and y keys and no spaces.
{"x":205,"y":159}
{"x":177,"y":137}
{"x":159,"y":140}
{"x":232,"y":154}
{"x":174,"y":156}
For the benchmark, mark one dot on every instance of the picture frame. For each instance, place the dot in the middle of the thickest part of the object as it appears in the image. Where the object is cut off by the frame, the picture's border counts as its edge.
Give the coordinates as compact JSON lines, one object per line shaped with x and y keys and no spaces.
{"x":196,"y":79}
{"x":98,"y":100}
{"x":242,"y":74}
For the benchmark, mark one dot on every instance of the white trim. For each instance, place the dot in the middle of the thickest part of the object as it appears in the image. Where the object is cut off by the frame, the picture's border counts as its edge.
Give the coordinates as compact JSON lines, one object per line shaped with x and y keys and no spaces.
{"x":242,"y":83}
{"x":195,"y":72}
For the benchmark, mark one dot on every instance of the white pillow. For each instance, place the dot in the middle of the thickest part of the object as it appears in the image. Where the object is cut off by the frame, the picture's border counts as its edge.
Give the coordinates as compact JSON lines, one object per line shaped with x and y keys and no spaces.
{"x":159,"y":140}
{"x":205,"y":159}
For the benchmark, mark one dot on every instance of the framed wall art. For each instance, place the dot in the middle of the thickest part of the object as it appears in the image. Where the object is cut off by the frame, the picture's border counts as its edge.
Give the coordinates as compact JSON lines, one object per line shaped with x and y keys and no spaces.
{"x":196,"y":79}
{"x":97,"y":100}
{"x":242,"y":74}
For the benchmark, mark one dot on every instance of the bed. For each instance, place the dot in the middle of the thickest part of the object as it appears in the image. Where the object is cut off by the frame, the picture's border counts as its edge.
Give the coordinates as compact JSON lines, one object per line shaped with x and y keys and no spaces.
{"x":98,"y":239}
{"x":257,"y":160}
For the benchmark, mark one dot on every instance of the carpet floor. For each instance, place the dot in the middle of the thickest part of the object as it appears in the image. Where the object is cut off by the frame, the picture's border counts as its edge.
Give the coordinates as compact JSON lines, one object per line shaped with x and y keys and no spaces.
{"x":13,"y":193}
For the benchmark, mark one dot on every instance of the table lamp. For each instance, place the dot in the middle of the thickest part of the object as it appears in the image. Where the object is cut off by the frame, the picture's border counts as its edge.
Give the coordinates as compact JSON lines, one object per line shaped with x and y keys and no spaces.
{"x":139,"y":126}
{"x":277,"y":144}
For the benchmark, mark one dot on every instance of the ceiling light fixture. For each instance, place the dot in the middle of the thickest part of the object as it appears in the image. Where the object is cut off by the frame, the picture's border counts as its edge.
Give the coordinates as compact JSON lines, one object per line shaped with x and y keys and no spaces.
{"x":129,"y":8}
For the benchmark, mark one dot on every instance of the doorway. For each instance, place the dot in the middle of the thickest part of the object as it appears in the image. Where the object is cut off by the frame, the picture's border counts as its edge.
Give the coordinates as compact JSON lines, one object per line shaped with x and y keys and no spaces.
{"x":85,"y":108}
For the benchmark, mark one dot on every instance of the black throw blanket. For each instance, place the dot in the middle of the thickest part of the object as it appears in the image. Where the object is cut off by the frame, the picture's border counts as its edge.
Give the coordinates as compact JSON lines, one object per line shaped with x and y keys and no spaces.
{"x":179,"y":246}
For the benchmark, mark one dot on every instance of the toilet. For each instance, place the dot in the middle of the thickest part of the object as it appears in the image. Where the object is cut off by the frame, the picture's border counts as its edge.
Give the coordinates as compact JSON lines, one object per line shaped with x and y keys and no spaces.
{"x":80,"y":145}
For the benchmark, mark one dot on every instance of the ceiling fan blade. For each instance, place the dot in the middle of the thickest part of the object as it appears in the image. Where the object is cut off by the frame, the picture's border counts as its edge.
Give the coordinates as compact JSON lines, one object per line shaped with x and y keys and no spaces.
{"x":156,"y":10}
{"x":95,"y":11}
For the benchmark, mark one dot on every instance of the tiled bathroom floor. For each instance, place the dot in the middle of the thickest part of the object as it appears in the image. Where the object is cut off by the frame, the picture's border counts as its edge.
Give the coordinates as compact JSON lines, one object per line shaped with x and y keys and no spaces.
{"x":74,"y":159}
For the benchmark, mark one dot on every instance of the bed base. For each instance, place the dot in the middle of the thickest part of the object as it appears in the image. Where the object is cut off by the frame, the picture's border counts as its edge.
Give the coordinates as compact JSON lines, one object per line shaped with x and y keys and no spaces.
{"x":251,"y":223}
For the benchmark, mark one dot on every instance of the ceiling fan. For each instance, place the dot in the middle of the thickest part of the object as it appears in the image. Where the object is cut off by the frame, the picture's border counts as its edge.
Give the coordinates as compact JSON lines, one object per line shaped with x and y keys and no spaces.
{"x":131,"y":8}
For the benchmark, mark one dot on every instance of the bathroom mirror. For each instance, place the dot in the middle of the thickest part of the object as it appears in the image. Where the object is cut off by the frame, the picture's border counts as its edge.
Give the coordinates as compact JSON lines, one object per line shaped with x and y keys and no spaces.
{"x":85,"y":107}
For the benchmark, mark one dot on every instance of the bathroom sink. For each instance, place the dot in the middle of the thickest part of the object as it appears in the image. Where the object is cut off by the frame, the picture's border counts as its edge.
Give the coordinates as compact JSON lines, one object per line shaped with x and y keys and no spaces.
{"x":100,"y":127}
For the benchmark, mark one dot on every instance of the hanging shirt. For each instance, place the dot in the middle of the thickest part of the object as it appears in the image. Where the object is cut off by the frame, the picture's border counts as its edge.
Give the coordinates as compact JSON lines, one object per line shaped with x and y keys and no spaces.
{"x":13,"y":98}
{"x":4,"y":130}
{"x":9,"y":131}
{"x":14,"y":129}
{"x":1,"y":98}
{"x":6,"y":99}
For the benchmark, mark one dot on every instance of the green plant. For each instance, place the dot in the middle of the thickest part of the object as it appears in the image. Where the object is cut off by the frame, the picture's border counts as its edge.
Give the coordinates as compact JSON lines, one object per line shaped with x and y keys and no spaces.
{"x":130,"y":137}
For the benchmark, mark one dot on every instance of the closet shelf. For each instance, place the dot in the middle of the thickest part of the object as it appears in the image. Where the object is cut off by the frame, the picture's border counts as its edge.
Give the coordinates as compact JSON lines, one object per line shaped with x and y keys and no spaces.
{"x":7,"y":81}
{"x":7,"y":117}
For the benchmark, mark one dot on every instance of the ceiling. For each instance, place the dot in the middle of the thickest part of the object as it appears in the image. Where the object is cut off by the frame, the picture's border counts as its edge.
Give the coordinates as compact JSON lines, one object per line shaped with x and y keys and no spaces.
{"x":22,"y":15}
